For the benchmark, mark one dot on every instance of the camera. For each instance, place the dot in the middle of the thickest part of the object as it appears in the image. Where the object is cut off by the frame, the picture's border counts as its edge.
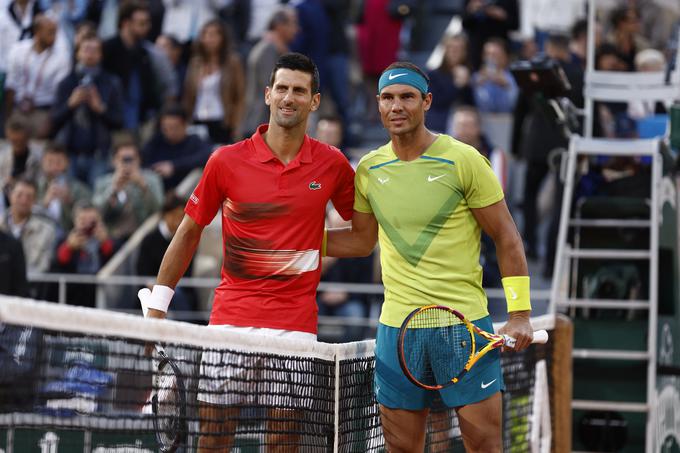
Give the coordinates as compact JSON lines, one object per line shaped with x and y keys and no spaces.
{"x":89,"y":229}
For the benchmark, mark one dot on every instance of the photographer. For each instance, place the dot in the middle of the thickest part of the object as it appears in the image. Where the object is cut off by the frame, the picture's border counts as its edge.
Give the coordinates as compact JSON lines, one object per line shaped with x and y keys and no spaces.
{"x":89,"y":105}
{"x":129,"y":195}
{"x":86,"y":248}
{"x":538,"y":139}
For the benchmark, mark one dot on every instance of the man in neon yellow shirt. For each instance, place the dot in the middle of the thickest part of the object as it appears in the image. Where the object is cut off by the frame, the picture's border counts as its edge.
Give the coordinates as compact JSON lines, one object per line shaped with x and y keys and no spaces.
{"x":427,"y":197}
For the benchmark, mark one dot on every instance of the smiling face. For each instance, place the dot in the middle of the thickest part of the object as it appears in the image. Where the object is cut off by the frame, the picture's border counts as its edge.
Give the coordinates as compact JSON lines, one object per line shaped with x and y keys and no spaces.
{"x":290,"y":98}
{"x":402,"y":108}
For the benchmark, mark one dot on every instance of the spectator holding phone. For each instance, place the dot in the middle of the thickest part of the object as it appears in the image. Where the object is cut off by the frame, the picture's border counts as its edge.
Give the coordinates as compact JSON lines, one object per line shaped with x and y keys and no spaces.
{"x":58,"y":191}
{"x":86,"y":248}
{"x":494,"y":88}
{"x":129,"y":195}
{"x":89,"y":106}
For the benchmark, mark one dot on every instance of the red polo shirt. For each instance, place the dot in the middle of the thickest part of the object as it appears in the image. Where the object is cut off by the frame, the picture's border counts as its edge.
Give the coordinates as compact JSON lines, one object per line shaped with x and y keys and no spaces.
{"x":272,"y":228}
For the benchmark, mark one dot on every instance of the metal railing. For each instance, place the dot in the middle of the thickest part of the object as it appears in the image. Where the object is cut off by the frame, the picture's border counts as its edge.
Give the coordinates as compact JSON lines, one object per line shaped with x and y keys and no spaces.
{"x":197,"y":282}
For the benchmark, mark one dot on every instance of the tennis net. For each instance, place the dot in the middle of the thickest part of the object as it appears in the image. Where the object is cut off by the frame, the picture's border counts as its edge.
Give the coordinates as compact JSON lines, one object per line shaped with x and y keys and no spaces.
{"x":76,"y":379}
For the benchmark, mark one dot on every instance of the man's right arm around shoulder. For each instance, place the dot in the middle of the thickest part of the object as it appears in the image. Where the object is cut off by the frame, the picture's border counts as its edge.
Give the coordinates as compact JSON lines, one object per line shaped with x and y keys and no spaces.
{"x":175,"y":263}
{"x":356,"y":240}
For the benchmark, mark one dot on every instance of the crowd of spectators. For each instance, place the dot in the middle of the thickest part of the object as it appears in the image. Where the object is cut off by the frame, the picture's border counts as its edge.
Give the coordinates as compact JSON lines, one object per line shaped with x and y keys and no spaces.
{"x":107,"y":105}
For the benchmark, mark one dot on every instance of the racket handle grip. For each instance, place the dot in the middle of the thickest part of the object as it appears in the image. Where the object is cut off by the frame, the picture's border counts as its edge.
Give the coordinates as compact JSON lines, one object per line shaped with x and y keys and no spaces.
{"x":540,"y":336}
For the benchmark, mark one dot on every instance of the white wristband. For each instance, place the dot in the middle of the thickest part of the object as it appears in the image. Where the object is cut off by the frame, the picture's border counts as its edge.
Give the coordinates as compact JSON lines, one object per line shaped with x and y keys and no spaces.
{"x":158,"y":299}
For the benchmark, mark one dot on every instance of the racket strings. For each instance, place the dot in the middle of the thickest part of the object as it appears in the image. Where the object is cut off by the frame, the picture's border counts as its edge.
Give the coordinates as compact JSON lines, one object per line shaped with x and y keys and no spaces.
{"x":167,"y":405}
{"x":437,"y":346}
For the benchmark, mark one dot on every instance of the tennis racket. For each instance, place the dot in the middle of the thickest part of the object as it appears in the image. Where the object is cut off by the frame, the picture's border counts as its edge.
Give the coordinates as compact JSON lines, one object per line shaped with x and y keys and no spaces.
{"x":438,"y":345}
{"x":168,"y":403}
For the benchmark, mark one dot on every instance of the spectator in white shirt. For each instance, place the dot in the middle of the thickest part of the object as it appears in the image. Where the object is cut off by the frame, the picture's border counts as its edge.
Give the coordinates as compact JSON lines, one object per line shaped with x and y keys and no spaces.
{"x":16,"y":19}
{"x":185,"y":18}
{"x":36,"y":66}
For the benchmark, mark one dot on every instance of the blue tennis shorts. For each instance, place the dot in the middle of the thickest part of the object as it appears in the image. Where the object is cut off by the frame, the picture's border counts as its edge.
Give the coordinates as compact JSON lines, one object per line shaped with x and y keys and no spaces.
{"x":394,"y":390}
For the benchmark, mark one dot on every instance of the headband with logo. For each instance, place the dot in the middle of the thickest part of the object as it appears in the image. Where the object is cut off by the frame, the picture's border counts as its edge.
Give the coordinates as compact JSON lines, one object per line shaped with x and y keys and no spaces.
{"x":402,"y":76}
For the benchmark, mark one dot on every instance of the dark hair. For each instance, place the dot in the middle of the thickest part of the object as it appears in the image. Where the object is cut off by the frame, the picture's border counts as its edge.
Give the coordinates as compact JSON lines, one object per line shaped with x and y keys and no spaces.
{"x":558,"y":40}
{"x":579,"y":29}
{"x":89,"y":36}
{"x":56,"y":148}
{"x":281,"y":16}
{"x":502,"y":43}
{"x":172,"y":39}
{"x":174,"y":109}
{"x":297,"y":62}
{"x":128,"y":9}
{"x":25,"y":181}
{"x":83,"y":204}
{"x":408,"y":65}
{"x":39,"y":19}
{"x":172,"y":201}
{"x":621,"y":15}
{"x":18,"y":123}
{"x":607,"y":49}
{"x":224,"y":50}
{"x":124,"y":141}
{"x":412,"y":67}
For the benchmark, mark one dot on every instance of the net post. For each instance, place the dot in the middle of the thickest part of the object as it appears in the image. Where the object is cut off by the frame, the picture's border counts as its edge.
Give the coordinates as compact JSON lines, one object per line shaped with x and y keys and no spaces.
{"x":336,"y":398}
{"x":561,"y":379}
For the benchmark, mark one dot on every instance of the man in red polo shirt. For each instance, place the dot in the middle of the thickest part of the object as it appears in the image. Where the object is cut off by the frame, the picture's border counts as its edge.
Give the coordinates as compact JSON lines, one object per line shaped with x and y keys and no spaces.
{"x":272,"y":190}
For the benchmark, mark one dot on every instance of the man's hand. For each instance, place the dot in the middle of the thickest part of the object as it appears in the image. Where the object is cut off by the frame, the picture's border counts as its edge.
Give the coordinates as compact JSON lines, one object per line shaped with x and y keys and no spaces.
{"x":76,"y":240}
{"x":78,"y":97}
{"x":519,"y":328}
{"x":94,"y":100}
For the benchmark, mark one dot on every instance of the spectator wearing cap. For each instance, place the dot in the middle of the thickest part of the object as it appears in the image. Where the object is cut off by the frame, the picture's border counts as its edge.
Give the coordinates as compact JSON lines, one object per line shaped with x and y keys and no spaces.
{"x":172,"y":153}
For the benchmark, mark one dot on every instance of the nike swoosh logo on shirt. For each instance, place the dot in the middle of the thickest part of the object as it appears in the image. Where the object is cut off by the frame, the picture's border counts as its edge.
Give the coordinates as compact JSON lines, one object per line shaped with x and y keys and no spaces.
{"x":433,"y":178}
{"x":394,"y":76}
{"x":487,"y":384}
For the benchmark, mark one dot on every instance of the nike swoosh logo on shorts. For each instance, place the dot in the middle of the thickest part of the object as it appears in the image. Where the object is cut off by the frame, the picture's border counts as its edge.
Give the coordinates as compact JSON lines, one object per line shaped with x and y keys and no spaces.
{"x":394,"y":76}
{"x":487,"y":384}
{"x":433,"y":178}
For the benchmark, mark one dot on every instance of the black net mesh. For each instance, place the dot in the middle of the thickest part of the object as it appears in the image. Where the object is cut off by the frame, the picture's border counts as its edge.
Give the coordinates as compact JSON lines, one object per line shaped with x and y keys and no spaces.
{"x":66,"y":391}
